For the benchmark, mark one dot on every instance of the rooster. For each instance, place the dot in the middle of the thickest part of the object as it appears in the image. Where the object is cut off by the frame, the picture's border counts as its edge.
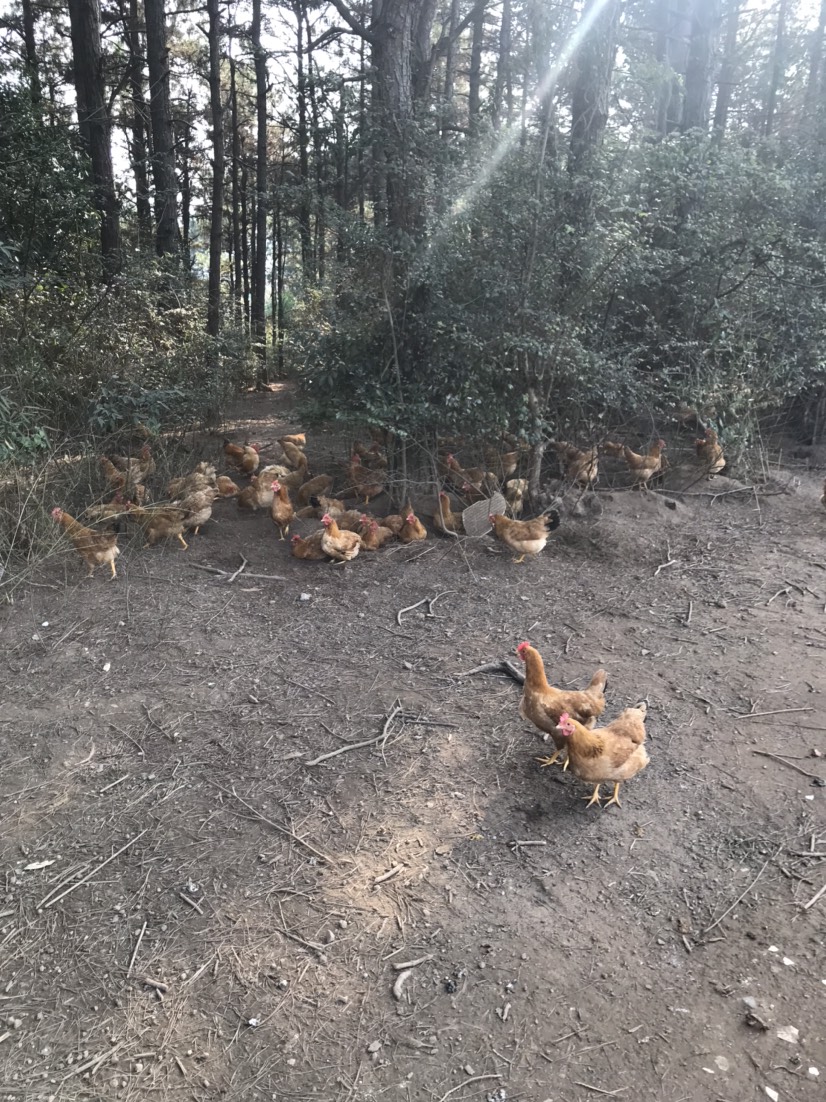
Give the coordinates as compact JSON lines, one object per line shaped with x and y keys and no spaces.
{"x":95,"y":548}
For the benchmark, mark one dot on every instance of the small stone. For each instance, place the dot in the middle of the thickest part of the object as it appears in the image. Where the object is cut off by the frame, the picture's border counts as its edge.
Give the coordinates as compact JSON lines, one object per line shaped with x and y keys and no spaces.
{"x":468,"y":1070}
{"x":721,"y":1062}
{"x":788,"y":962}
{"x":374,"y":1046}
{"x":817,"y":753}
{"x":773,"y":1095}
{"x":305,"y":597}
{"x":813,"y":1073}
{"x":789,"y":1033}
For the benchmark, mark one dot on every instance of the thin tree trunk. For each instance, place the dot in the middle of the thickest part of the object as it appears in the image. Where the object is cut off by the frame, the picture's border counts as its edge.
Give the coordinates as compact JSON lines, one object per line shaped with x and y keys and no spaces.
{"x":183,"y":142}
{"x":504,"y":80}
{"x":95,"y":125}
{"x":697,"y":102}
{"x":163,"y":152}
{"x":304,"y":227}
{"x":341,"y":182}
{"x":475,"y":75}
{"x":815,"y":62}
{"x":245,"y":255}
{"x":216,"y":223}
{"x":259,"y":283}
{"x":362,"y":142}
{"x":450,"y":58}
{"x":778,"y":69}
{"x":318,"y":157}
{"x":279,"y":253}
{"x":236,"y":196}
{"x":30,"y":47}
{"x":137,"y":150}
{"x":728,"y":70}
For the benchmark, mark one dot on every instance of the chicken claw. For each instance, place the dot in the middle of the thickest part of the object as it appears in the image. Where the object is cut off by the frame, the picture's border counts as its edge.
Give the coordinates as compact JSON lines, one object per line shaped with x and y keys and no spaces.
{"x":546,"y":761}
{"x":519,"y":560}
{"x":615,"y":798}
{"x":112,"y":568}
{"x":594,"y":797}
{"x":183,"y":542}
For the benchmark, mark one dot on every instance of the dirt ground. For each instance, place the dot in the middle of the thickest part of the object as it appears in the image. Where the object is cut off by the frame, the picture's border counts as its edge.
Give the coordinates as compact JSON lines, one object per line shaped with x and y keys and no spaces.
{"x":192,"y":909}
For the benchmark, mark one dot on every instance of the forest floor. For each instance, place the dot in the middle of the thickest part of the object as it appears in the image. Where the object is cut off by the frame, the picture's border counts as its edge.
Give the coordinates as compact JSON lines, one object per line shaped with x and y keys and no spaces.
{"x":192,"y":909}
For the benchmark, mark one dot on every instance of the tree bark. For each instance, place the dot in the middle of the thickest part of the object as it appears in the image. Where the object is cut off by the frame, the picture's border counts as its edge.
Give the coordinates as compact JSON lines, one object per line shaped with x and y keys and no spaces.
{"x":304,"y":223}
{"x":697,"y":102}
{"x":259,"y":283}
{"x":138,"y":126}
{"x":245,"y":232}
{"x":671,"y":51}
{"x":503,"y":88}
{"x":815,"y":62}
{"x":95,"y":125}
{"x":475,"y":74}
{"x":163,"y":152}
{"x":236,"y":195}
{"x":318,"y":158}
{"x":30,"y":50}
{"x":216,"y":224}
{"x":728,"y":70}
{"x":183,"y":141}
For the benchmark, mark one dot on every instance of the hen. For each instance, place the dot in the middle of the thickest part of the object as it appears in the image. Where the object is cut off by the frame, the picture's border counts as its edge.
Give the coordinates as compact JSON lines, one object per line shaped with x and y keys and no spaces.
{"x":542,"y":704}
{"x":297,"y":438}
{"x":393,"y":521}
{"x":309,"y":548}
{"x":128,"y":482}
{"x":643,"y":467}
{"x":412,"y":529}
{"x":95,"y":548}
{"x":610,"y":754}
{"x":515,"y":490}
{"x":710,"y":453}
{"x":341,"y":546}
{"x":293,"y":453}
{"x":318,"y":486}
{"x":281,"y":510}
{"x":226,"y":487}
{"x":372,"y":535}
{"x":525,"y":537}
{"x":161,"y":522}
{"x":366,"y":482}
{"x":581,"y":467}
{"x":445,"y":520}
{"x":106,"y":511}
{"x":197,"y":508}
{"x":258,"y":495}
{"x":199,"y":479}
{"x":243,"y":457}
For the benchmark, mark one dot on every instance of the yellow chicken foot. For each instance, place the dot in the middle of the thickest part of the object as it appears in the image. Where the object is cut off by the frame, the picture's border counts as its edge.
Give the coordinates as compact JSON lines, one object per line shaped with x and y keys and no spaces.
{"x":546,"y":761}
{"x":565,"y":765}
{"x":112,"y":568}
{"x":615,"y":798}
{"x":594,"y":797}
{"x":519,"y":560}
{"x":183,"y":543}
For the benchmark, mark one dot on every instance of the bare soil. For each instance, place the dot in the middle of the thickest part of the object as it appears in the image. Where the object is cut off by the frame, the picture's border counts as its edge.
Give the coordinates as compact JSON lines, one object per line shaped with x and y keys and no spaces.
{"x":243,"y":941}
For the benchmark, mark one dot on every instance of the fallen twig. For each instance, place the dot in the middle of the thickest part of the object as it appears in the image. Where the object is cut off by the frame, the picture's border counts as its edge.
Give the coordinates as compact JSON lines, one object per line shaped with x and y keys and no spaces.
{"x":397,"y":709}
{"x":742,"y":895}
{"x":94,"y":871}
{"x":402,"y":965}
{"x":599,"y":1090}
{"x":814,"y":898}
{"x":240,"y":570}
{"x":131,"y":964}
{"x":401,"y":980}
{"x":224,"y":574}
{"x":466,"y":1083}
{"x":527,"y":842}
{"x":776,"y":712}
{"x":94,"y":1063}
{"x":388,"y":875}
{"x":429,"y":601}
{"x":196,"y":906}
{"x":276,"y":826}
{"x":502,"y":666}
{"x":662,"y":566}
{"x":791,"y":765}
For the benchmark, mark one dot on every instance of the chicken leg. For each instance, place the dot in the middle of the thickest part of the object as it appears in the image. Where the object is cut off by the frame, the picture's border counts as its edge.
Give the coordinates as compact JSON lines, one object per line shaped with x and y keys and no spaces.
{"x":615,"y":798}
{"x":546,"y":761}
{"x":182,"y":542}
{"x":519,"y":560}
{"x":594,"y":797}
{"x":112,"y":568}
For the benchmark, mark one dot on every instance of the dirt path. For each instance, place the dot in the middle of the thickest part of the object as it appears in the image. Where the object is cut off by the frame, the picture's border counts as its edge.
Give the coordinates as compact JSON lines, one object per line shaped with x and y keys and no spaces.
{"x":271,"y":902}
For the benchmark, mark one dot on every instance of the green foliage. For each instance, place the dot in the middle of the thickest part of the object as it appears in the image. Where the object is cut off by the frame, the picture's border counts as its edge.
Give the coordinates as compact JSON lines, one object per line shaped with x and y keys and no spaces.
{"x":22,"y":434}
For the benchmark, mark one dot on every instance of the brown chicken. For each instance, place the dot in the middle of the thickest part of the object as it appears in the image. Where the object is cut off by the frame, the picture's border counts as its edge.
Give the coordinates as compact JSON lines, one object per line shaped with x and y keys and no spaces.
{"x":258,"y":495}
{"x":107,"y":510}
{"x":140,"y":468}
{"x":710,"y":453}
{"x":458,"y":475}
{"x":412,"y":529}
{"x":242,"y":457}
{"x":612,"y":448}
{"x":293,"y":454}
{"x":610,"y":754}
{"x":297,"y":438}
{"x":202,"y":477}
{"x":128,"y":482}
{"x":515,"y":490}
{"x":394,"y":521}
{"x":197,"y":508}
{"x":581,"y":466}
{"x":309,"y":548}
{"x":445,"y":520}
{"x":365,"y":482}
{"x":372,"y":457}
{"x":226,"y":487}
{"x":341,"y":546}
{"x":316,"y":487}
{"x":542,"y":704}
{"x":503,"y":464}
{"x":161,"y":522}
{"x":525,"y":537}
{"x":372,"y":535}
{"x":95,"y":548}
{"x":643,"y":467}
{"x":281,"y":509}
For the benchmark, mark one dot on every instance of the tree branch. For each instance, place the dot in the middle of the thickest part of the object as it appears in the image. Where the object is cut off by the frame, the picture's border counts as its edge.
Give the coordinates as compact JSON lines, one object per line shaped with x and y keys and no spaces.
{"x":463,"y":24}
{"x":355,"y":26}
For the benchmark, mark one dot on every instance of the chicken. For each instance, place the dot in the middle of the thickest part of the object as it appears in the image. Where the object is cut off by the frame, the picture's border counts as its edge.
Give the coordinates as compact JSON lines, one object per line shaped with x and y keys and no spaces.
{"x":412,"y":529}
{"x":365,"y":482}
{"x":161,"y":522}
{"x":332,"y":505}
{"x":526,"y":537}
{"x":614,"y":753}
{"x":581,"y":467}
{"x":242,"y":457}
{"x":504,"y":464}
{"x":320,"y":485}
{"x":107,"y":510}
{"x":95,"y":548}
{"x":710,"y":453}
{"x":445,"y":520}
{"x":297,"y":438}
{"x":612,"y":448}
{"x":293,"y":454}
{"x":199,"y":479}
{"x":258,"y":495}
{"x":341,"y":546}
{"x":226,"y":487}
{"x":642,"y":467}
{"x":141,"y":468}
{"x":349,"y":520}
{"x":129,"y":482}
{"x":393,"y":521}
{"x":475,"y":476}
{"x":515,"y":490}
{"x":309,"y":548}
{"x":197,"y":508}
{"x":372,"y":535}
{"x":542,"y":705}
{"x":281,"y":509}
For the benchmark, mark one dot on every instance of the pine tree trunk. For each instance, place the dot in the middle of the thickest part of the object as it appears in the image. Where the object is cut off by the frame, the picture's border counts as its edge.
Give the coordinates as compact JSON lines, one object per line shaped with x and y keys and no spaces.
{"x":698,"y":74}
{"x":137,"y":147}
{"x":163,"y":152}
{"x":95,"y":125}
{"x":318,"y":157}
{"x":30,"y":47}
{"x":815,"y":62}
{"x":237,"y":281}
{"x":304,"y":226}
{"x":259,"y":283}
{"x":183,"y":142}
{"x":778,"y":69}
{"x":728,"y":70}
{"x":475,"y":75}
{"x":245,"y":253}
{"x":503,"y":88}
{"x":671,"y":51}
{"x":216,"y":224}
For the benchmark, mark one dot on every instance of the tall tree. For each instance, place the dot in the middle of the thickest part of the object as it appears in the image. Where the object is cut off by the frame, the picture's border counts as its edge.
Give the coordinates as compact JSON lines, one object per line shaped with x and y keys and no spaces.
{"x":815,"y":61}
{"x":778,"y":69}
{"x":728,"y":70}
{"x":259,"y":281}
{"x":699,"y":66}
{"x":235,"y":197}
{"x":474,"y":106}
{"x":163,"y":150}
{"x":503,"y":88}
{"x":216,"y":227}
{"x":95,"y":124}
{"x":30,"y":49}
{"x":138,"y":122}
